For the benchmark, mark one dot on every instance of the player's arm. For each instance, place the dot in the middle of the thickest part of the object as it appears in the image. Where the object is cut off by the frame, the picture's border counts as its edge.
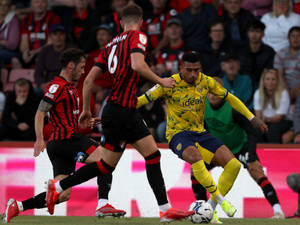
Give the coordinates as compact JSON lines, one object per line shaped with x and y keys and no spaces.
{"x":241,"y":108}
{"x":150,"y":96}
{"x":39,"y":144}
{"x":139,"y":65}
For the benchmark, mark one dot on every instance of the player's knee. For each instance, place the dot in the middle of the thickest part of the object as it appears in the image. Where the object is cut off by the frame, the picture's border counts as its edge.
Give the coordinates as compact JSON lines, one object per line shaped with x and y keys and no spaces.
{"x":191,"y":155}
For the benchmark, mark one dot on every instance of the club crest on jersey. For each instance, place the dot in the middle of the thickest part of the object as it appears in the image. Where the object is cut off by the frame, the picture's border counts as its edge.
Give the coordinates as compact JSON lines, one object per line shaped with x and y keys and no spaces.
{"x":179,"y":147}
{"x":143,"y":39}
{"x":53,"y":88}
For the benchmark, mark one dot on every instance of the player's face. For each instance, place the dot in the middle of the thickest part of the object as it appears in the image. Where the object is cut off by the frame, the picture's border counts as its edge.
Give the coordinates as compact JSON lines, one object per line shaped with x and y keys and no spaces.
{"x":217,"y":33}
{"x":255,"y":35}
{"x":295,"y":39}
{"x":103,"y":37}
{"x":270,"y":81}
{"x":78,"y":70}
{"x":22,"y":91}
{"x":190,"y":71}
{"x":213,"y":100}
{"x":232,"y":6}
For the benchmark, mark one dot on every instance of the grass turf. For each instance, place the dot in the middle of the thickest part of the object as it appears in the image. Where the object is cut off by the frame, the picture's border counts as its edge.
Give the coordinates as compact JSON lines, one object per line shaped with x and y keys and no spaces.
{"x":78,"y":220}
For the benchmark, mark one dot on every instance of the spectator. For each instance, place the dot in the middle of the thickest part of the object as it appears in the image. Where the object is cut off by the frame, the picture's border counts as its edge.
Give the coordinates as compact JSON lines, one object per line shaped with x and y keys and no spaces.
{"x":78,"y":21}
{"x":155,"y":23}
{"x":255,"y":55}
{"x":35,"y":30}
{"x":113,"y":19}
{"x":195,"y":23}
{"x":236,"y":20}
{"x":278,"y":22}
{"x":2,"y":101}
{"x":238,"y":84}
{"x":169,"y":57}
{"x":258,"y":7}
{"x":287,"y":61}
{"x":293,"y":181}
{"x":19,"y":112}
{"x":9,"y":32}
{"x":47,"y":62}
{"x":271,"y":104}
{"x":216,"y":48}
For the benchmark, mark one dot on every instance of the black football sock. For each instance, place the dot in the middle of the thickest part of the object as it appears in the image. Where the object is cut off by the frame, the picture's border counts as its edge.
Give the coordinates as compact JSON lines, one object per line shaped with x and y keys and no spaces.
{"x":268,"y":190}
{"x":104,"y":185}
{"x":86,"y":173}
{"x":199,"y":191}
{"x":36,"y":202}
{"x":155,"y":178}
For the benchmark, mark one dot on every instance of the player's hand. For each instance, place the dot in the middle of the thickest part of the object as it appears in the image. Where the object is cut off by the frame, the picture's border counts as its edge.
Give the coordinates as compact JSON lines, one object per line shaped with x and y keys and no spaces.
{"x":39,"y":147}
{"x":84,"y":119}
{"x":259,"y":124}
{"x":94,"y":122}
{"x":167,"y":82}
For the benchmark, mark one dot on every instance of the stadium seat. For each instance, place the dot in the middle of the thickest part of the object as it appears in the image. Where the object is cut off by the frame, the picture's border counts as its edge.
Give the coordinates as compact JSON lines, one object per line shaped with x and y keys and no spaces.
{"x":15,"y":74}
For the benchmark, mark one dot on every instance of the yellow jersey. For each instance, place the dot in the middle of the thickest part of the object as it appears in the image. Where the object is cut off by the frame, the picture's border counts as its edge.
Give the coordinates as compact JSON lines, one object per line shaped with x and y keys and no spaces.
{"x":185,"y":102}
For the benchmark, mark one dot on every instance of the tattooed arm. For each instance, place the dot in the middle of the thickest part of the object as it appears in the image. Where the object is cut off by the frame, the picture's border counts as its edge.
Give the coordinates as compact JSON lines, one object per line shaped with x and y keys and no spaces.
{"x":39,"y":144}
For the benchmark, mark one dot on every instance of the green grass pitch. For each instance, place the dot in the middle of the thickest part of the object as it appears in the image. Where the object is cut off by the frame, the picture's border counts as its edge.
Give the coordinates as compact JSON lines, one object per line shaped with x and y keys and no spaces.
{"x":78,"y":220}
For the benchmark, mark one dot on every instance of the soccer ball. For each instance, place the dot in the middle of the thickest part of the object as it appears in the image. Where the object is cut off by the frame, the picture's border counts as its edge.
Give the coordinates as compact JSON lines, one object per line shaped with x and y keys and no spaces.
{"x":203,"y":212}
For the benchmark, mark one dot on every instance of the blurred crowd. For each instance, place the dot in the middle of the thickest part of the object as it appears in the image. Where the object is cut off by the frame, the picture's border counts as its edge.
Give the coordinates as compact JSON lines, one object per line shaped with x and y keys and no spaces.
{"x":253,"y":45}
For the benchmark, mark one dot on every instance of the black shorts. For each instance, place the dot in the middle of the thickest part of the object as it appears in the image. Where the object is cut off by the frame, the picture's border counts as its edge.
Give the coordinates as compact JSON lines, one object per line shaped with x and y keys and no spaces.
{"x":63,"y":154}
{"x":246,"y":155}
{"x":121,"y":126}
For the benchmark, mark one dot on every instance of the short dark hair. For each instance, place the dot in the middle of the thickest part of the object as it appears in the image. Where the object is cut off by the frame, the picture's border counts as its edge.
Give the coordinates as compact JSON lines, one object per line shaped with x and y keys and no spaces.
{"x":256,"y":24}
{"x":192,"y":57}
{"x":216,"y":22}
{"x":294,"y":28}
{"x":71,"y":55}
{"x":131,"y":12}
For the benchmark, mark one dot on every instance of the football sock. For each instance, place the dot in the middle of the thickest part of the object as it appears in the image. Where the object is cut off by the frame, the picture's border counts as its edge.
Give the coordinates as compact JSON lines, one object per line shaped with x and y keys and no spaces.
{"x":102,"y":202}
{"x":277,"y":208}
{"x":212,"y":203}
{"x":199,"y":191}
{"x":104,"y":185}
{"x":228,"y":176}
{"x":268,"y":190}
{"x":86,"y":173}
{"x":36,"y":202}
{"x":155,"y":178}
{"x":204,"y":178}
{"x":164,"y":207}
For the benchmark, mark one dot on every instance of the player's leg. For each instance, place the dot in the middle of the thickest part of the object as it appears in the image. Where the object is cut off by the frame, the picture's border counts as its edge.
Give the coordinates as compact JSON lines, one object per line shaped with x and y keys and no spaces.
{"x":224,"y":158}
{"x":255,"y":169}
{"x":89,"y":153}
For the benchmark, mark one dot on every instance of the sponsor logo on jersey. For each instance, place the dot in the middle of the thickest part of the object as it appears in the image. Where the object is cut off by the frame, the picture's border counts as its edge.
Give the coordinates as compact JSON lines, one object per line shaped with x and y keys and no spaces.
{"x":49,"y":95}
{"x":192,"y":101}
{"x":141,"y":47}
{"x":53,"y":88}
{"x":76,"y":111}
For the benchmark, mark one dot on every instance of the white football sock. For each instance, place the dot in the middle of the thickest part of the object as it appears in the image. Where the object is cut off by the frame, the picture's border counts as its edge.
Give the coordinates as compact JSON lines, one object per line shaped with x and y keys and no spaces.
{"x":101,"y":202}
{"x":58,"y":187}
{"x":277,"y":208}
{"x":212,"y":203}
{"x":20,"y":206}
{"x":165,"y":207}
{"x":220,"y":199}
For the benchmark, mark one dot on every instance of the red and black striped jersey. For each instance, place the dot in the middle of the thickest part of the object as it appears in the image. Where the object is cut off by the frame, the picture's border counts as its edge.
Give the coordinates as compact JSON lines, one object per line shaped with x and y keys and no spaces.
{"x":38,"y":30}
{"x":116,"y":59}
{"x":64,"y":98}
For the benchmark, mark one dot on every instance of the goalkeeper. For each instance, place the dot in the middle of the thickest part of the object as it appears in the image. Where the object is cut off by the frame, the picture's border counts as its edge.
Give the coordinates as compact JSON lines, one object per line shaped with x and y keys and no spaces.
{"x":185,"y":131}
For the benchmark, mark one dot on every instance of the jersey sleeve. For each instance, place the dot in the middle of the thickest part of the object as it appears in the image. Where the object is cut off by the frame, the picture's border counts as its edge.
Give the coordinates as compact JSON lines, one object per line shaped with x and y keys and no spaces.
{"x":150,"y":95}
{"x":138,"y":42}
{"x":102,"y":60}
{"x":52,"y":93}
{"x":216,"y":89}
